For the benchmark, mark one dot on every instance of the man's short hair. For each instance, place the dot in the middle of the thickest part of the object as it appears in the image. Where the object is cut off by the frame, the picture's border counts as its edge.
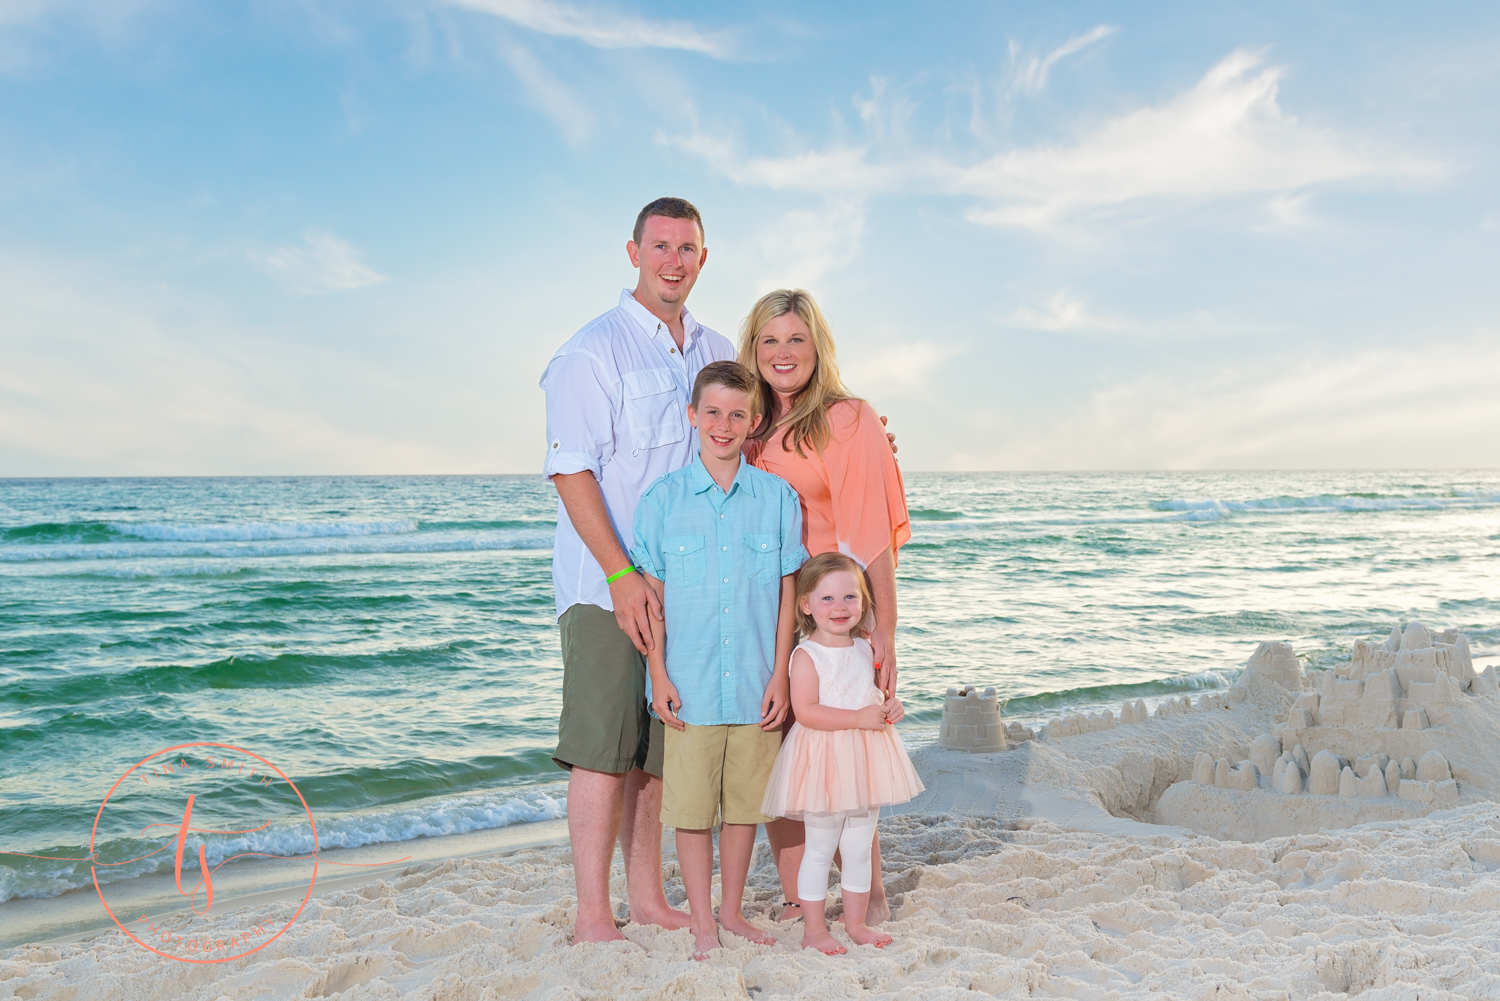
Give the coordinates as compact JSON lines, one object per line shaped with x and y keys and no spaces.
{"x":668,"y":208}
{"x":730,"y":375}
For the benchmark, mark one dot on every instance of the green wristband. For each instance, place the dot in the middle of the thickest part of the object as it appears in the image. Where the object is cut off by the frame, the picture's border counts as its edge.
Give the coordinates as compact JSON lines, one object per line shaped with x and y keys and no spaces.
{"x":618,"y":574}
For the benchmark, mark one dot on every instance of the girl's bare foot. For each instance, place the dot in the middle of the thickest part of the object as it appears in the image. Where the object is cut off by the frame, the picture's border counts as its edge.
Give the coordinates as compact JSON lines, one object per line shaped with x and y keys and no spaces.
{"x":823,"y":942}
{"x":736,"y":923}
{"x":865,"y":935}
{"x":790,"y":911}
{"x":704,"y":944}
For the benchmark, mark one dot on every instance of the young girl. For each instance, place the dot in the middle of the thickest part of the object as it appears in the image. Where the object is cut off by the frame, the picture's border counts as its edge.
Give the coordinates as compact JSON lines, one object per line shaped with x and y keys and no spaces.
{"x":841,"y":761}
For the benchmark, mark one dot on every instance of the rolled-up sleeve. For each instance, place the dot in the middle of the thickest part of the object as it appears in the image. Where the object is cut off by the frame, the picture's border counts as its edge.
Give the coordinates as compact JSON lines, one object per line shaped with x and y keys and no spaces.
{"x":869,"y":499}
{"x":580,"y":415}
{"x":650,"y":522}
{"x":793,"y":552}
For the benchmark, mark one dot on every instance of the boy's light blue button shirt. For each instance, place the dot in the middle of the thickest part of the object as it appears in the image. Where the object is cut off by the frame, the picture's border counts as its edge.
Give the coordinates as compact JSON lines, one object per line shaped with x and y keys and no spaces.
{"x":721,"y":556}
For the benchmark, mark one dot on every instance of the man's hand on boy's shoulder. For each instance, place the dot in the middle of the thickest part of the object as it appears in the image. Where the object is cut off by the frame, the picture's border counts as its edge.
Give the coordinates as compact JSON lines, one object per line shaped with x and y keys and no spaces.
{"x":775,"y":703}
{"x":890,"y":436}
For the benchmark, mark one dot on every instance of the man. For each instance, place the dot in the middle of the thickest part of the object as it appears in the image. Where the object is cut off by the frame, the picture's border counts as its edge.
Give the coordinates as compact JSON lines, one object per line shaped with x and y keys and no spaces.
{"x":617,"y":396}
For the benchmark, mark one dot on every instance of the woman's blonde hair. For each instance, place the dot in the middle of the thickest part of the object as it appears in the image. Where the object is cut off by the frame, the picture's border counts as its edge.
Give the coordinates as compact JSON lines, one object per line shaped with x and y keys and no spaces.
{"x":812,"y":574}
{"x":807,"y":421}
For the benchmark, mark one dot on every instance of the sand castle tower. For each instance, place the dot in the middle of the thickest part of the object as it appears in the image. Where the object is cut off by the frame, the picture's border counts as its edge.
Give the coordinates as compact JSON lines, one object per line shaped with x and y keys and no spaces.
{"x":971,"y":721}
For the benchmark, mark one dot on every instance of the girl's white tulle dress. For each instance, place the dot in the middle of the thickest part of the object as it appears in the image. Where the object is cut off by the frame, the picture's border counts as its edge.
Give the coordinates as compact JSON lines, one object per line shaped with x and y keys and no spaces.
{"x":840,"y":771}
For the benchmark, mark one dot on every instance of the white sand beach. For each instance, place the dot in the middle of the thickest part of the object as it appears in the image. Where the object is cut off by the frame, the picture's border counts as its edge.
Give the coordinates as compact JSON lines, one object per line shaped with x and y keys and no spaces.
{"x":1077,"y":864}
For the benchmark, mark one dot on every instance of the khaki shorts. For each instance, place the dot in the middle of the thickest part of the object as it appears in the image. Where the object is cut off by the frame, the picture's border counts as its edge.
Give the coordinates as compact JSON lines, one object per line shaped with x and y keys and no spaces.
{"x":713,"y":772}
{"x":605,"y":725}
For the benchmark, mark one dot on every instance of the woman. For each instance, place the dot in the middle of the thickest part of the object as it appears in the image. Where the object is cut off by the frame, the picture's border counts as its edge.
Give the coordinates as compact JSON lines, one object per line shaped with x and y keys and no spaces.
{"x":832,"y":447}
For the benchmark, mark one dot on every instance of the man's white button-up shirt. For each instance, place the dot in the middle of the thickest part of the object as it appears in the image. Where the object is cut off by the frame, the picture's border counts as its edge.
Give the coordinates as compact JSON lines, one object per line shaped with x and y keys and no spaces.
{"x":617,"y":396}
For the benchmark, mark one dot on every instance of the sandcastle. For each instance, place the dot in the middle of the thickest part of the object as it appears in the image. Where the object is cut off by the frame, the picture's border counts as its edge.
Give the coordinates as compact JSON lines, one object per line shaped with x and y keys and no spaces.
{"x":1404,"y":727}
{"x":1364,"y":730}
{"x":971,"y":721}
{"x":1134,"y":712}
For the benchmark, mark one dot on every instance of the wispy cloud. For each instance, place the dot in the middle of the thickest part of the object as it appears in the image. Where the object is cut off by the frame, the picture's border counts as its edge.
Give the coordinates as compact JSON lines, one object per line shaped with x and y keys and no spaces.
{"x":840,"y":171}
{"x":548,"y":93}
{"x":601,"y":28}
{"x":1377,"y":408}
{"x":1030,"y":75}
{"x":323,"y":263}
{"x":1064,"y":312}
{"x":1287,"y":211}
{"x":899,"y":370}
{"x":1227,"y":137}
{"x":802,"y":246}
{"x":30,"y":30}
{"x":100,"y":379}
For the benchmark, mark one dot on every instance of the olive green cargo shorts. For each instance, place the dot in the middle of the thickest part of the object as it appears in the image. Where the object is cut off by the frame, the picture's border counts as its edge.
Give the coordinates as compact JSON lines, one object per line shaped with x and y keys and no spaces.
{"x":605,"y":724}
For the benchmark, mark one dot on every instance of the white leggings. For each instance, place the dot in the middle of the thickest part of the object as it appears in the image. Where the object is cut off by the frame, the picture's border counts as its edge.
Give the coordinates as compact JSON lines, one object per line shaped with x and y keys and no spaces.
{"x":852,"y":835}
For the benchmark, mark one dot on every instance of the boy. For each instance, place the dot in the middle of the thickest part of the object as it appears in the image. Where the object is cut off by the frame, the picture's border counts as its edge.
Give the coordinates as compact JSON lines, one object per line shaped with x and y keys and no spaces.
{"x":719,"y":541}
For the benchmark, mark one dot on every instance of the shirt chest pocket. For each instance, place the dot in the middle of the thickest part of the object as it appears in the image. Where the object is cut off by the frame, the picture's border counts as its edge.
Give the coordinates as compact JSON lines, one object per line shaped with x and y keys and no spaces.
{"x":763,"y":558}
{"x":685,"y":560}
{"x":653,"y":413}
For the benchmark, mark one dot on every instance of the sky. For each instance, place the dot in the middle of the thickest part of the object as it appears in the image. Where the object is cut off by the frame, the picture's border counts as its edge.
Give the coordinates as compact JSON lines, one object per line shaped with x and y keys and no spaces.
{"x":345,"y":236}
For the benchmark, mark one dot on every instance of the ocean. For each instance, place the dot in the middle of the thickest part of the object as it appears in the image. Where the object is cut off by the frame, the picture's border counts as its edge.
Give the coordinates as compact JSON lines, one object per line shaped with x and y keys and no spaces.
{"x":389,"y":641}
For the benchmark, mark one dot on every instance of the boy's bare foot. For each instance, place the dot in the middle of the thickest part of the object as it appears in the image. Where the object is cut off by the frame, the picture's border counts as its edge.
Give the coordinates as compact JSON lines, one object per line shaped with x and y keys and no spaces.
{"x":823,"y":942}
{"x":597,"y":931}
{"x":663,"y":917}
{"x":736,"y":923}
{"x":790,"y":911}
{"x":864,"y":935}
{"x":704,"y":944}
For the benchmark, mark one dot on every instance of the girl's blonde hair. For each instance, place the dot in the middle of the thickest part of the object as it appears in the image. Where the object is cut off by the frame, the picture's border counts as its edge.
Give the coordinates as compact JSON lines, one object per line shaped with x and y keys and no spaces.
{"x":812,"y":574}
{"x":807,"y":421}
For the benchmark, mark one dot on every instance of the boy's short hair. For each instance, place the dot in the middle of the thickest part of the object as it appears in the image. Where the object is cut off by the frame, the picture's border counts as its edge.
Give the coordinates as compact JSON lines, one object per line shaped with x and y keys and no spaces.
{"x":667,"y":208}
{"x":730,"y":375}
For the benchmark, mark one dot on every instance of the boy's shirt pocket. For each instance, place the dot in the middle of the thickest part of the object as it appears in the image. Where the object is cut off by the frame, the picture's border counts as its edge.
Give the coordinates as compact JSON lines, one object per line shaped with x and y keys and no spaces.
{"x":684,"y":559}
{"x":763,"y":557}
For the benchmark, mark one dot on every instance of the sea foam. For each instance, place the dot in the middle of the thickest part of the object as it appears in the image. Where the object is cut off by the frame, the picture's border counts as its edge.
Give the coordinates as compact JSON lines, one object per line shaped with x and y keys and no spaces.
{"x":480,"y":811}
{"x":261,"y":531}
{"x":1213,"y":508}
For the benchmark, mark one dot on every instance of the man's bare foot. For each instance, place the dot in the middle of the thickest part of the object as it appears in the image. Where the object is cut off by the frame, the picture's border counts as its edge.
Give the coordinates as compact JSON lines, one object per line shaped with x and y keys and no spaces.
{"x":704,"y":944}
{"x":663,"y":917}
{"x":790,"y":911}
{"x":878,"y":912}
{"x":823,"y":942}
{"x":865,"y":935}
{"x":736,"y":923}
{"x":597,"y":931}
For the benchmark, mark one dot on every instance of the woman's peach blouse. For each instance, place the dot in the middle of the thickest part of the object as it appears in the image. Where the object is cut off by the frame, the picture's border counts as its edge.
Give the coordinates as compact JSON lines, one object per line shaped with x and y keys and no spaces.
{"x":853,"y":500}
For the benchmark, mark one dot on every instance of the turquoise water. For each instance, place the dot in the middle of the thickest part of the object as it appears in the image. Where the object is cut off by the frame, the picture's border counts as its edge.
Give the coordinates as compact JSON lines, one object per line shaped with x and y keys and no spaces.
{"x":389,"y":641}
